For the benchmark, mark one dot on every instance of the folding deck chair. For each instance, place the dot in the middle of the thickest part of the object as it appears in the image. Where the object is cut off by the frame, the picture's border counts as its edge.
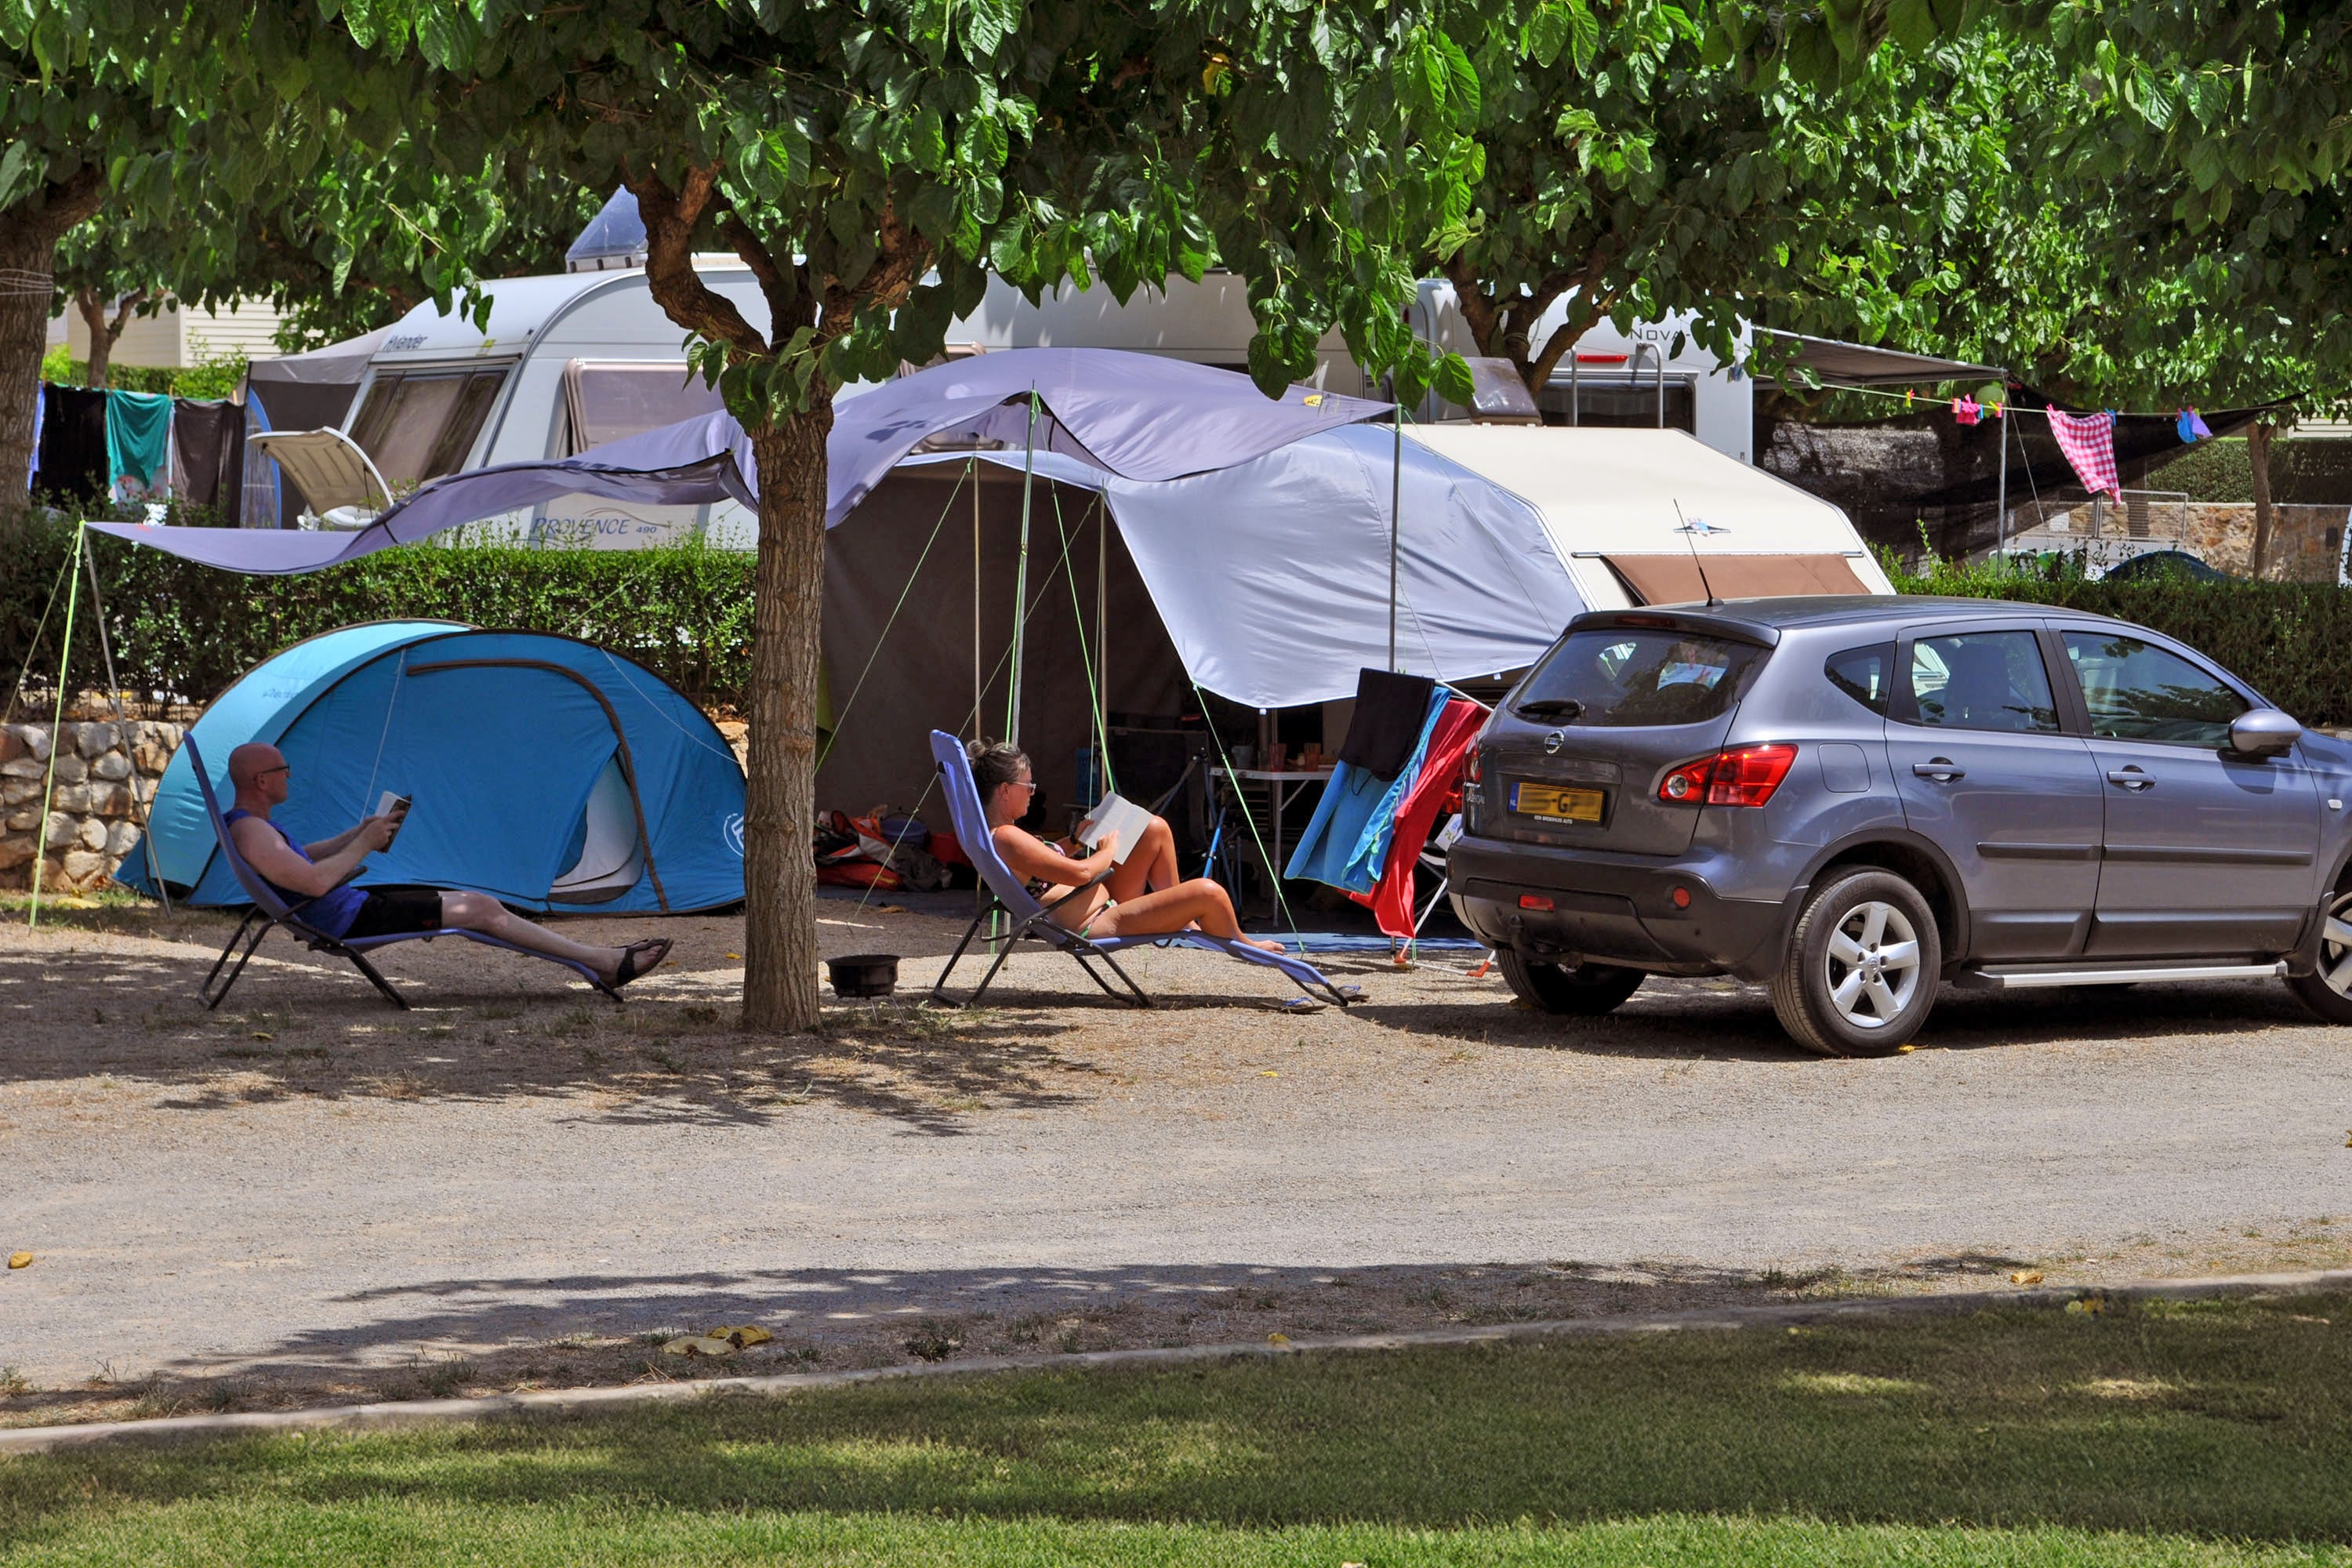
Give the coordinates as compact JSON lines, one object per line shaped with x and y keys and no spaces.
{"x":269,"y":910}
{"x":1008,"y":895}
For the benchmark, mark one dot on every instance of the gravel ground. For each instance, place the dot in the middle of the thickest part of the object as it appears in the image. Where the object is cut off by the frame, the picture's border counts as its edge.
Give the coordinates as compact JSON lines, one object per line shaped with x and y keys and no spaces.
{"x":309,"y":1195}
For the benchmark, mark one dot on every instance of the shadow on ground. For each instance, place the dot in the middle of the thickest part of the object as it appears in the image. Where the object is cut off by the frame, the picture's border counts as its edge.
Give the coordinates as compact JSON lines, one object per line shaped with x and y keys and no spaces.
{"x":437,"y":1338}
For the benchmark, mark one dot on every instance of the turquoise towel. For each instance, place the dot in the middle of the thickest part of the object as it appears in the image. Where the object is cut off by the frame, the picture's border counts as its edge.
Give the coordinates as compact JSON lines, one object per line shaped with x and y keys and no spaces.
{"x":138,"y":435}
{"x":1347,"y":843}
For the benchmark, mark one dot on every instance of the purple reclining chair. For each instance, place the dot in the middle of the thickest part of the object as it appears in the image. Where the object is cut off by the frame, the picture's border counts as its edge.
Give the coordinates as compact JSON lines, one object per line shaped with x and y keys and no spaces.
{"x":1010,"y":896}
{"x":269,"y":910}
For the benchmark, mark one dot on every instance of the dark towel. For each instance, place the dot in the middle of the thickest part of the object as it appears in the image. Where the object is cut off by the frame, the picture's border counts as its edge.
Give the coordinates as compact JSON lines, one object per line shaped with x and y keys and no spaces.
{"x":1386,"y":722}
{"x":212,"y":455}
{"x":73,"y":443}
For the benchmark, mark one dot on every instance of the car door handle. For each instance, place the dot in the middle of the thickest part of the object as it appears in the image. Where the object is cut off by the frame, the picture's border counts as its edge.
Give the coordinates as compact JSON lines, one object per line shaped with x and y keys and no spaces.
{"x":2130,"y":778}
{"x":1940,"y":769}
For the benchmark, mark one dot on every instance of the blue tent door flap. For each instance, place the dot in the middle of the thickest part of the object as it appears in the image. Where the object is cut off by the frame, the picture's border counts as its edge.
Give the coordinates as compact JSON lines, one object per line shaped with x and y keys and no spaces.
{"x":502,"y":721}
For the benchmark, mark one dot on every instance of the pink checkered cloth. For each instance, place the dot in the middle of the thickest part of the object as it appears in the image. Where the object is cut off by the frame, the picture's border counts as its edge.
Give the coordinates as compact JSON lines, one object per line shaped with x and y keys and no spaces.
{"x":2089,"y":442}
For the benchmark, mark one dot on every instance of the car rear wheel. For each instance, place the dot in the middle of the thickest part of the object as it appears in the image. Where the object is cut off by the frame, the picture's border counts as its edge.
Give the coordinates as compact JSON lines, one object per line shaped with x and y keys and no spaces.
{"x":1862,"y":967}
{"x":1587,"y":991}
{"x":2327,"y":991}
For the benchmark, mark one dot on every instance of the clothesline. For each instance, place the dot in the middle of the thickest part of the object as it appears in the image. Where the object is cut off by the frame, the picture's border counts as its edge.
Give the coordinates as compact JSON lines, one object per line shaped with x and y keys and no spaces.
{"x":2000,"y":406}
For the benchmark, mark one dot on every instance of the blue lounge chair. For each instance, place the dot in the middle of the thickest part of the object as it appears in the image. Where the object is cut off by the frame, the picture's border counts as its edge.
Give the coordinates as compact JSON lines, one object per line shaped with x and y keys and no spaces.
{"x":1010,"y":896}
{"x":270,"y":911}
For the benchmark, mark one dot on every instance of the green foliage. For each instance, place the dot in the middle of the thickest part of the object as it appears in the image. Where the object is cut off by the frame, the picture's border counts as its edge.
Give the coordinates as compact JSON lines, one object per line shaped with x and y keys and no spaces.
{"x":682,"y":611}
{"x":2291,"y":641}
{"x":209,"y":378}
{"x":2194,"y":1435}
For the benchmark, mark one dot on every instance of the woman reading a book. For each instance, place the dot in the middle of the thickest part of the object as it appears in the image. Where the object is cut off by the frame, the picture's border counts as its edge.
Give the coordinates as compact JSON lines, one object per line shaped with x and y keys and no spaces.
{"x":1144,"y":896}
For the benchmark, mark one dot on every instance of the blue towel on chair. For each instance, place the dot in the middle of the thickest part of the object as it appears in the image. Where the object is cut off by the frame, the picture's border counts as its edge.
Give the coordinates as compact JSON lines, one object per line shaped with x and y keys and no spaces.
{"x":1346,"y":844}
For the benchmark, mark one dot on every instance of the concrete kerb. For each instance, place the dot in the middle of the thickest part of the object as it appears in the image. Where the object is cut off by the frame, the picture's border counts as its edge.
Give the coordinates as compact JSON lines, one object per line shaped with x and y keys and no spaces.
{"x":409,"y":1413}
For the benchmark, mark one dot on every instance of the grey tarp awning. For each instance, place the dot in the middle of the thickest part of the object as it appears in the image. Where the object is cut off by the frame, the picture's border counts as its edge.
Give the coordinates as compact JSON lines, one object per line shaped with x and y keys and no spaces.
{"x":1858,"y":364}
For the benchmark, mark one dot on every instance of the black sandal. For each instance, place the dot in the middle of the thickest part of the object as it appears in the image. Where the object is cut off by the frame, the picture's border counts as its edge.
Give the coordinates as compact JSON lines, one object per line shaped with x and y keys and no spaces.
{"x":631,"y":968}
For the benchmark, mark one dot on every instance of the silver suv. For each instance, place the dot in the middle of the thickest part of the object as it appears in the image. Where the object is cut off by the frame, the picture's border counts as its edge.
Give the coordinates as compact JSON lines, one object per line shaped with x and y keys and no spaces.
{"x":1855,"y":799}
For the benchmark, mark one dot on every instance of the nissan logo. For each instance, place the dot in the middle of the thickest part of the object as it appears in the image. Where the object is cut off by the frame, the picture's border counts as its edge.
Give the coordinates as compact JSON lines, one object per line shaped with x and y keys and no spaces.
{"x":1552,"y":743}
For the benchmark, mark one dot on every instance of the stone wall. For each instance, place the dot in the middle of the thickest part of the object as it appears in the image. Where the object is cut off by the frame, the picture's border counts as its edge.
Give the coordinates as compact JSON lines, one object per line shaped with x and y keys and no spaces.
{"x":2305,"y":540}
{"x":105,"y":774}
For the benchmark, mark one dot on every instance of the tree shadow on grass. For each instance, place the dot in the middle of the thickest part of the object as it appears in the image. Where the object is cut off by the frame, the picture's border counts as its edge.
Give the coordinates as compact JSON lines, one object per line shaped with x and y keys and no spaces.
{"x":2221,"y":1423}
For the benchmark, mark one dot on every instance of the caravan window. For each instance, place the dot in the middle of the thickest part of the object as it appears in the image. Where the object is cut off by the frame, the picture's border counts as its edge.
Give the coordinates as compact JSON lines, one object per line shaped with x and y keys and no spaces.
{"x":605,"y":400}
{"x":419,"y":424}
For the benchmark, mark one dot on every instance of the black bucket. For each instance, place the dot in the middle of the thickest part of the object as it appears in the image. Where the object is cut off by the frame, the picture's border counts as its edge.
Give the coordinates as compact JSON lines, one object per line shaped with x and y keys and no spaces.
{"x":865,"y":974}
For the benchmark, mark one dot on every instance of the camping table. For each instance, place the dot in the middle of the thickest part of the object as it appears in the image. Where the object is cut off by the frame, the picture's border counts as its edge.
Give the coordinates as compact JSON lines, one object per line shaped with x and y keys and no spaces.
{"x":1284,"y":786}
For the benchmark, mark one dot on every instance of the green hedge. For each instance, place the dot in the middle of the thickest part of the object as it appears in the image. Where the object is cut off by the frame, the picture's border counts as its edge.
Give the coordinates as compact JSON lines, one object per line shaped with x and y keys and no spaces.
{"x":2291,"y":640}
{"x":683,"y":611}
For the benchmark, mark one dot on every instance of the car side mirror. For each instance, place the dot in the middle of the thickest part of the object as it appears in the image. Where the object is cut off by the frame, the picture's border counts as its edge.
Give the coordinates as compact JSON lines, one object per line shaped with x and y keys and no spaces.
{"x":2263,"y":732}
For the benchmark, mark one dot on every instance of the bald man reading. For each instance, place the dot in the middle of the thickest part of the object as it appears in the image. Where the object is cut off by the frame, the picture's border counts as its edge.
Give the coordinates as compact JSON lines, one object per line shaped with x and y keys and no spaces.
{"x":307,"y":874}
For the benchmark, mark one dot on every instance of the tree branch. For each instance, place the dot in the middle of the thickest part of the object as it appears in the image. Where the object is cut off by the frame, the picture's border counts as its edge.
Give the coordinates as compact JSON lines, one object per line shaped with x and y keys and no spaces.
{"x":670,"y":217}
{"x":789,"y":306}
{"x":1589,"y":308}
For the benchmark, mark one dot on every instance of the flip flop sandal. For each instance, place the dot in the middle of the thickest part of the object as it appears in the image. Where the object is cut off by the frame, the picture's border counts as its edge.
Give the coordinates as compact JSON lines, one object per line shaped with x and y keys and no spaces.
{"x":641,"y":958}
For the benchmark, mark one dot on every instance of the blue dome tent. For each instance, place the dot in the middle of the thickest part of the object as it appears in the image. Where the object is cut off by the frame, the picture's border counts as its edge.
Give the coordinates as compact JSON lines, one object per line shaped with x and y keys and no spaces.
{"x":548,"y":773}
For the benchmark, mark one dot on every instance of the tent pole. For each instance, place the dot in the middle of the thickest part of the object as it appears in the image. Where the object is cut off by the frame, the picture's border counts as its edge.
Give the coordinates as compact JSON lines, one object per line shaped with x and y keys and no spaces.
{"x":2001,"y":518}
{"x":1102,"y":645}
{"x":1396,"y":508}
{"x":1020,"y":577}
{"x":978,"y":723}
{"x":57,"y":721}
{"x":123,"y":724}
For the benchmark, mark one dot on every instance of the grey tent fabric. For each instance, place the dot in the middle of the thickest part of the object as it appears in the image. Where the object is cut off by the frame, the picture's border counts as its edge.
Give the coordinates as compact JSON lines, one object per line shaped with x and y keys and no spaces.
{"x":308,"y":391}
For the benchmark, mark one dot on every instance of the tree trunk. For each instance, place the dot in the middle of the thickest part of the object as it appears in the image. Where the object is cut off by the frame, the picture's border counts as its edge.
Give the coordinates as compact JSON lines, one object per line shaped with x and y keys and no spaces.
{"x":780,"y":957}
{"x":28,"y":251}
{"x":2258,"y":457}
{"x":102,"y":341}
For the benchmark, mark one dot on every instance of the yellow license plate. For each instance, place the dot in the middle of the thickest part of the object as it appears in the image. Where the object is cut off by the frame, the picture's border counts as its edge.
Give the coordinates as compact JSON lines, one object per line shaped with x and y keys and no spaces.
{"x":1558,"y":802}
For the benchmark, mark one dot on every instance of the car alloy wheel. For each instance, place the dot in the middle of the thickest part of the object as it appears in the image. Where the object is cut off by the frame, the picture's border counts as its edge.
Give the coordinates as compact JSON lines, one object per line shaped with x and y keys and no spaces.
{"x":2328,"y":990}
{"x":1872,"y":965}
{"x":1862,"y":965}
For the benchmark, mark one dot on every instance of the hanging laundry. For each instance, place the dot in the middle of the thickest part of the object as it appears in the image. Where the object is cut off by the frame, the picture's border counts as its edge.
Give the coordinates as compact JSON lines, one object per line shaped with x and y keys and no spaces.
{"x":1966,"y":410}
{"x":210,"y":437}
{"x":1387,"y":721}
{"x":2191,"y":428}
{"x":1906,"y":397}
{"x":138,"y":441}
{"x":1441,"y":769}
{"x":1347,"y":842}
{"x":2089,"y":442}
{"x":73,"y":442}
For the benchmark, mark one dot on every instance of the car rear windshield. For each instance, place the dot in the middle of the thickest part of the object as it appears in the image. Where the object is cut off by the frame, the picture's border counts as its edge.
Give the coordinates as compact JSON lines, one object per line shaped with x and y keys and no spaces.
{"x":1621,"y":677}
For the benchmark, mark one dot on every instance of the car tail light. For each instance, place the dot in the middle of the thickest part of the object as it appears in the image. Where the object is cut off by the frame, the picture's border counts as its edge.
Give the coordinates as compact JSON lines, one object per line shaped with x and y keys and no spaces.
{"x":1472,"y":766}
{"x":1737,"y":775}
{"x":1536,"y":901}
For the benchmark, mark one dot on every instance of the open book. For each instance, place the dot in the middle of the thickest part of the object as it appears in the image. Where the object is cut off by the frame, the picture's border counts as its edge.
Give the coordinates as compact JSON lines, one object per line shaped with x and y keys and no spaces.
{"x":393,"y":803}
{"x":1114,"y":814}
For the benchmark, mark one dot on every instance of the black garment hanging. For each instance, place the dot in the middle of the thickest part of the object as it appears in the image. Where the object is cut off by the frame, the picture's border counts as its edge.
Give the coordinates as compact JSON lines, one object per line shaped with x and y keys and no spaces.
{"x":211,"y":437}
{"x":73,"y":443}
{"x":1386,"y":725}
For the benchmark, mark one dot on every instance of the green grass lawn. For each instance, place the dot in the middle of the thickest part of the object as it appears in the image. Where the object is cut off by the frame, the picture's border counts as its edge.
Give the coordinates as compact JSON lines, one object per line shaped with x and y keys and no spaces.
{"x":2170,"y":1433}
